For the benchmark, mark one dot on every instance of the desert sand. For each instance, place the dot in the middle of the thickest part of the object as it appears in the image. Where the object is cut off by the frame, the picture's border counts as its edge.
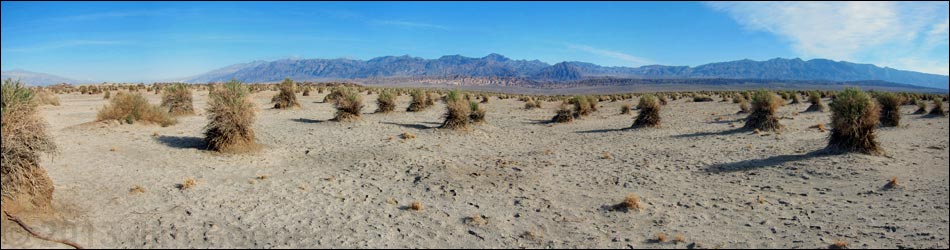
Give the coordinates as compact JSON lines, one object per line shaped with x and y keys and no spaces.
{"x":530,"y":184}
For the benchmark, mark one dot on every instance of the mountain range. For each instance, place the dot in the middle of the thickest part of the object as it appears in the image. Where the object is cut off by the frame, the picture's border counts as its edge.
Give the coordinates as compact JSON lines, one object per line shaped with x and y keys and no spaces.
{"x":524,"y":72}
{"x":37,"y":79}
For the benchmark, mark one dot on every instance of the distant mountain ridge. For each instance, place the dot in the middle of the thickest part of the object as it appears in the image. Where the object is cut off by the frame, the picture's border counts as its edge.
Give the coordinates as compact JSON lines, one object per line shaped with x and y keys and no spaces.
{"x":495,"y":66}
{"x":37,"y":79}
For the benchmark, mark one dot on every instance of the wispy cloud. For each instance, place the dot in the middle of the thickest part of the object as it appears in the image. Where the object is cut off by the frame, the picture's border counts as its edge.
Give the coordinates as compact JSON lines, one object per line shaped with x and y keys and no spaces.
{"x":62,"y":45}
{"x":848,"y":30}
{"x":637,"y":61}
{"x":407,"y":24}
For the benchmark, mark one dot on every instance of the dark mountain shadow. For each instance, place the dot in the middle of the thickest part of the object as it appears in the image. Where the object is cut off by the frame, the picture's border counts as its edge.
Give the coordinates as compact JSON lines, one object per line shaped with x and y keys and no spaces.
{"x":765,"y":163}
{"x":412,"y":126}
{"x":183,"y":142}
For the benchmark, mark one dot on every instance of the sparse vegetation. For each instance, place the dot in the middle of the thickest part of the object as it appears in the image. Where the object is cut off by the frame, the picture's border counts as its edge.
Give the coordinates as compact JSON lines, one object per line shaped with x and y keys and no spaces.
{"x":763,"y":117}
{"x":24,"y":137}
{"x":287,"y":97}
{"x":625,"y":109}
{"x":478,"y":113}
{"x":177,"y":100}
{"x":417,"y":206}
{"x":419,"y":99}
{"x":231,"y":119}
{"x":564,"y":114}
{"x":814,"y":97}
{"x":348,"y":106}
{"x":582,"y":106}
{"x":649,"y":113}
{"x":854,"y":119}
{"x":937,"y":110}
{"x":457,"y":113}
{"x":132,"y":108}
{"x":921,"y":107}
{"x":890,"y":109}
{"x":386,"y":102}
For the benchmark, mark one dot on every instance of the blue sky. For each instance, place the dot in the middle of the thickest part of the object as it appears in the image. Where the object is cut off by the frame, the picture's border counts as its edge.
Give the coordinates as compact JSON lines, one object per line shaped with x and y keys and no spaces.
{"x":148,"y":41}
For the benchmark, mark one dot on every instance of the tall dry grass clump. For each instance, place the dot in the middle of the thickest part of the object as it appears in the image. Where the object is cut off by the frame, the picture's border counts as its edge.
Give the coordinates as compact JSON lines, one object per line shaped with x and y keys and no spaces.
{"x":25,"y":184}
{"x":763,"y":117}
{"x":45,"y":97}
{"x":814,"y":97}
{"x":921,"y":107}
{"x":478,"y":113}
{"x":457,"y":113}
{"x":744,"y":106}
{"x":132,"y":108}
{"x":649,"y":113}
{"x":349,"y":105}
{"x":177,"y":100}
{"x":231,"y":119}
{"x":582,"y":106}
{"x":938,"y":110}
{"x":854,"y":118}
{"x":419,"y":100}
{"x":564,"y":114}
{"x":625,"y":109}
{"x":890,"y":109}
{"x":287,"y":97}
{"x":386,"y":102}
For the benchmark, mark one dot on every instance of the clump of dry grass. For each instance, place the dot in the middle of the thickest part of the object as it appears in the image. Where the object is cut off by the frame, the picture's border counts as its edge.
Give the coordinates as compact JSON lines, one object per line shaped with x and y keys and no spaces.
{"x":814,"y":97}
{"x":938,"y":110}
{"x":663,"y":100}
{"x":231,"y":119}
{"x":854,"y":119}
{"x":839,"y":245}
{"x":532,"y":104}
{"x":625,"y":109}
{"x":419,"y":99}
{"x":649,"y":113}
{"x":407,"y":136}
{"x":44,"y":97}
{"x":679,"y":238}
{"x":892,"y":183}
{"x":795,"y":98}
{"x":890,"y":109}
{"x":764,"y":106}
{"x":563,"y":115}
{"x":386,"y":102}
{"x":287,"y":98}
{"x":582,"y":106}
{"x":137,"y":190}
{"x":921,"y":107}
{"x":132,"y":108}
{"x":744,"y":107}
{"x":24,"y":137}
{"x":188,"y":184}
{"x":348,"y":106}
{"x":177,"y":100}
{"x":416,"y":206}
{"x":478,"y":113}
{"x":457,"y":113}
{"x":660,"y":238}
{"x":476,"y":220}
{"x":702,"y":98}
{"x":107,"y":95}
{"x":630,"y":203}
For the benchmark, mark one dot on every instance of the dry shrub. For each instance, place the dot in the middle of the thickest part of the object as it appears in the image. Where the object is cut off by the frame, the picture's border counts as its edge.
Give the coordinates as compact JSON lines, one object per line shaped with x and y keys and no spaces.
{"x":702,"y":98}
{"x":564,"y":114}
{"x":231,"y":119}
{"x":478,"y":113}
{"x":744,"y":107}
{"x":107,"y":95}
{"x":416,"y":206}
{"x":663,"y":100}
{"x":132,"y":108}
{"x":137,"y":190}
{"x":921,"y":107}
{"x":177,"y":100}
{"x":287,"y":98}
{"x":814,"y":97}
{"x":430,"y":101}
{"x":419,"y":99}
{"x":484,"y":99}
{"x":188,"y":184}
{"x":839,"y":245}
{"x":407,"y":136}
{"x":44,"y":97}
{"x":24,"y":137}
{"x":625,"y":109}
{"x":795,"y":98}
{"x":764,"y":105}
{"x":349,"y":106}
{"x":660,"y":238}
{"x":386,"y":102}
{"x":890,"y":109}
{"x":938,"y":110}
{"x":631,"y":203}
{"x":582,"y":106}
{"x":457,"y":113}
{"x":593,"y":101}
{"x":854,"y":118}
{"x":649,"y":113}
{"x":679,"y":238}
{"x":334,"y":95}
{"x":892,"y":183}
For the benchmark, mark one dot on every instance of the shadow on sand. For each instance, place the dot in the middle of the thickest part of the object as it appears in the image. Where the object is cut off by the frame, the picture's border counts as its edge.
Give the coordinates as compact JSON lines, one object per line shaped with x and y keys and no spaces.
{"x":412,"y":126}
{"x":305,"y":120}
{"x":765,"y":163}
{"x":183,"y":142}
{"x":702,"y":134}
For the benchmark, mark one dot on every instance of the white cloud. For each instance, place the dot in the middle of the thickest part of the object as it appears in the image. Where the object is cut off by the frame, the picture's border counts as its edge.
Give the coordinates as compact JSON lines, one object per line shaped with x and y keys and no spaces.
{"x":637,"y":61}
{"x":863,"y":31}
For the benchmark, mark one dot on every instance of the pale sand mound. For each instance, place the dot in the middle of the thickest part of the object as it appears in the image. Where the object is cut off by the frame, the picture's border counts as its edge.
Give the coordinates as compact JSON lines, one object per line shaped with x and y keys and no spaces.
{"x":535,"y":185}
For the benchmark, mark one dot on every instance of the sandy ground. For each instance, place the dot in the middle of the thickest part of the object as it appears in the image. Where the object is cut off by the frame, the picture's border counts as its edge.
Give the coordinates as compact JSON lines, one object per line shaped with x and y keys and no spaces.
{"x":535,"y":185}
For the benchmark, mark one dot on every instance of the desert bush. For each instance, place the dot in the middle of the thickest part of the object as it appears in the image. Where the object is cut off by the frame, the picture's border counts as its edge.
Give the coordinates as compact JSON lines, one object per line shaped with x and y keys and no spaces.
{"x":44,"y":97}
{"x":177,"y":100}
{"x":594,"y":102}
{"x":531,"y":104}
{"x":457,"y":113}
{"x":349,"y":105}
{"x":763,"y":117}
{"x":386,"y":102}
{"x":306,"y":91}
{"x":795,"y":98}
{"x":581,"y":106}
{"x":419,"y":99}
{"x":854,"y":118}
{"x":921,"y":107}
{"x":702,"y":98}
{"x":938,"y":110}
{"x":24,"y":138}
{"x":107,"y":95}
{"x":814,"y":97}
{"x":131,"y":108}
{"x":744,"y":107}
{"x":287,"y":98}
{"x":478,"y":113}
{"x":663,"y":100}
{"x":333,"y":97}
{"x":890,"y":109}
{"x":485,"y":99}
{"x":231,"y":119}
{"x":625,"y":109}
{"x":649,"y":113}
{"x":430,"y":100}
